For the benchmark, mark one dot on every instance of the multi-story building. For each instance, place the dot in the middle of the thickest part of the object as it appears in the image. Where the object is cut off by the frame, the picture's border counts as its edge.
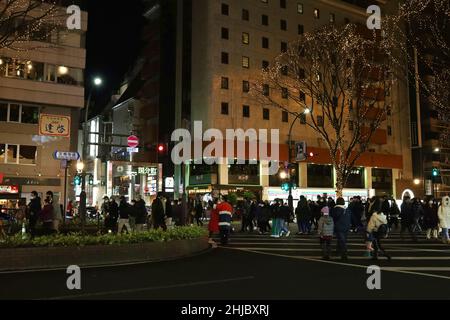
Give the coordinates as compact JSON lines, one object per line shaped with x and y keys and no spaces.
{"x":41,"y":94}
{"x":215,"y":50}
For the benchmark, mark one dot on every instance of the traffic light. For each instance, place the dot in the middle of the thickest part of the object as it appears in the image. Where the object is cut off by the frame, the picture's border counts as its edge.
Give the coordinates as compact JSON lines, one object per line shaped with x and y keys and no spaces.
{"x":91,"y":180}
{"x":435,"y":172}
{"x":77,"y":180}
{"x":285,"y":186}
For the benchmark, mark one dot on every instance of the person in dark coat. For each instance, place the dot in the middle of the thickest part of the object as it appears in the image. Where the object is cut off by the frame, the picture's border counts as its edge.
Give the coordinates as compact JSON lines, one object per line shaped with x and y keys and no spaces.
{"x":124,"y":215}
{"x":393,"y":217}
{"x":431,"y":219}
{"x":46,"y":216}
{"x":112,"y":216}
{"x":158,"y":214}
{"x":266,"y":214}
{"x":34,"y":210}
{"x":303,"y":215}
{"x":199,"y":213}
{"x":140,"y":213}
{"x":177,"y":213}
{"x":342,"y":224}
{"x":407,"y":218}
{"x":169,"y":213}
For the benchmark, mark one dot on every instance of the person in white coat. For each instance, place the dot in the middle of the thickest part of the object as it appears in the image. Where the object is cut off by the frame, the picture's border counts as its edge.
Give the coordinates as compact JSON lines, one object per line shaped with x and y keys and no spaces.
{"x":444,"y":218}
{"x":377,"y":227}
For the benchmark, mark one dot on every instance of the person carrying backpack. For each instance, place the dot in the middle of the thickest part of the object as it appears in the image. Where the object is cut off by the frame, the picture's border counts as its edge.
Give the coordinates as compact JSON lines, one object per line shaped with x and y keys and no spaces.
{"x":378,"y":228}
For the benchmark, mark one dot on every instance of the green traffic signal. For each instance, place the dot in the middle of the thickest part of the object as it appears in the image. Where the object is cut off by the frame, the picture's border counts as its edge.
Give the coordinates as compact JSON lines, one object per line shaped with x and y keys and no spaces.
{"x":77,"y":180}
{"x":91,"y":180}
{"x":435,"y":172}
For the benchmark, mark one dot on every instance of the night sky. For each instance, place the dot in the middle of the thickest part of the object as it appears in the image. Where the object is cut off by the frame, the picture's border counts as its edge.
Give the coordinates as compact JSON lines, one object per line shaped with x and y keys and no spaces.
{"x":113,"y":41}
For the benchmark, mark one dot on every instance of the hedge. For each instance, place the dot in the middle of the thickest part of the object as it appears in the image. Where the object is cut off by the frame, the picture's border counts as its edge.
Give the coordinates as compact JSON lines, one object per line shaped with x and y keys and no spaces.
{"x":77,"y":240}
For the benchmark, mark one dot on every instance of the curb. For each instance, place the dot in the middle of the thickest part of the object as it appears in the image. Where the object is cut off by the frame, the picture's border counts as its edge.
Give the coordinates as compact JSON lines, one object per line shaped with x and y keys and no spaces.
{"x":35,"y":259}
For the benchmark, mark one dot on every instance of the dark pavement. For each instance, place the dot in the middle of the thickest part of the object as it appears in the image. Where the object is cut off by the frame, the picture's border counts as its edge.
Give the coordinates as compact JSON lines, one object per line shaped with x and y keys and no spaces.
{"x":255,"y":267}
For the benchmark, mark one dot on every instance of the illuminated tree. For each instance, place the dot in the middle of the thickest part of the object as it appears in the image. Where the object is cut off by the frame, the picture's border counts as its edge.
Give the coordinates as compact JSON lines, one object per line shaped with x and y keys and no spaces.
{"x":336,"y":79}
{"x":23,"y":21}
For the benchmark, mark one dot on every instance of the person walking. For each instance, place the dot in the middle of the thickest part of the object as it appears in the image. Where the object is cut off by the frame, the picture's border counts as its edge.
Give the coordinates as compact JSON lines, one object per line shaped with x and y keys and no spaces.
{"x":431,"y":219}
{"x":124,"y":215}
{"x":104,"y":211}
{"x":225,"y":211}
{"x":199,"y":212}
{"x":276,"y":220}
{"x":141,"y":213}
{"x":57,"y":214}
{"x":407,"y":218}
{"x":378,"y":229}
{"x":393,"y":217}
{"x":304,"y":216}
{"x":34,"y":210}
{"x":342,"y":222}
{"x":285,"y":218}
{"x":213,"y":224}
{"x":325,"y":229}
{"x":169,"y":213}
{"x":444,"y":218}
{"x":113,"y":215}
{"x":158,"y":214}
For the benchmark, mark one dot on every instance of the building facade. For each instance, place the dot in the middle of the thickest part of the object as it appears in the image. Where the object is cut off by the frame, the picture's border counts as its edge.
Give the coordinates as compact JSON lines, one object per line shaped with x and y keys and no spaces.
{"x":41,"y":94}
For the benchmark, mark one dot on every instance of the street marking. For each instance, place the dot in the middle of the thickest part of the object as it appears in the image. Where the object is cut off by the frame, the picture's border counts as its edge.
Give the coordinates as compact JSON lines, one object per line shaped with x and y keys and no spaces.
{"x":318,"y":248}
{"x":339,"y":263}
{"x":181,"y":285}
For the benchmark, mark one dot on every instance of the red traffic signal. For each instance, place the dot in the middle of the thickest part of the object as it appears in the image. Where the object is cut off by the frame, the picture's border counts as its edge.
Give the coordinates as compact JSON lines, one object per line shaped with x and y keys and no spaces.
{"x":161,"y":148}
{"x":311,"y":154}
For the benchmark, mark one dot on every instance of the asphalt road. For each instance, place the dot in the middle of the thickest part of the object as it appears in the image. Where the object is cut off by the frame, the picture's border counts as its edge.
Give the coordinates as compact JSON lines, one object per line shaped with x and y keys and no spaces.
{"x":254,"y":267}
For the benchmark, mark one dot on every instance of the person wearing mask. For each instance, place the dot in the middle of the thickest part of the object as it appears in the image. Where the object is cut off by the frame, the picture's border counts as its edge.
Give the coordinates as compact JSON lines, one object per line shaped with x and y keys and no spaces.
{"x":34,"y":210}
{"x":141,"y":213}
{"x":325,"y":231}
{"x":342,"y":222}
{"x":225,"y":211}
{"x":158,"y":215}
{"x":124,"y":215}
{"x":377,"y":228}
{"x":104,"y":209}
{"x":46,"y":216}
{"x":444,"y":218}
{"x":303,"y":215}
{"x":132,"y":212}
{"x":431,"y":219}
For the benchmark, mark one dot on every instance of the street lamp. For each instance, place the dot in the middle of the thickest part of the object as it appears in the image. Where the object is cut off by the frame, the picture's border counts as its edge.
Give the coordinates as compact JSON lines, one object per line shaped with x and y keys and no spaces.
{"x":437,"y":150}
{"x":416,"y":182}
{"x":82,"y":207}
{"x":283,"y":175}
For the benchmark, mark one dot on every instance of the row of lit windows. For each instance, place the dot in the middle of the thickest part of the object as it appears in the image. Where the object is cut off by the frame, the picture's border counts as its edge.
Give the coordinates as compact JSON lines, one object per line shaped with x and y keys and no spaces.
{"x":225,"y":35}
{"x":225,"y":9}
{"x":18,"y":154}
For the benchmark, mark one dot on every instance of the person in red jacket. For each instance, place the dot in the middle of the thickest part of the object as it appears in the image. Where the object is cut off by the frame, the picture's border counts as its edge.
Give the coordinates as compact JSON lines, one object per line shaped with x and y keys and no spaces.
{"x":46,"y":216}
{"x":213,"y":226}
{"x":225,"y":214}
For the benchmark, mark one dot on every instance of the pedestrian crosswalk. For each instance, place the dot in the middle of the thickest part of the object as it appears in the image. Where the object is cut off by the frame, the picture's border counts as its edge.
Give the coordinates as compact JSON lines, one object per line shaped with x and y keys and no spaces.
{"x":426,"y":257}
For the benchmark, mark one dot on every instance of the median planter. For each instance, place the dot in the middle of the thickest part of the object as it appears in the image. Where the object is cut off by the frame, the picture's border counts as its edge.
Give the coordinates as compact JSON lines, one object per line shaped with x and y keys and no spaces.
{"x":97,"y":255}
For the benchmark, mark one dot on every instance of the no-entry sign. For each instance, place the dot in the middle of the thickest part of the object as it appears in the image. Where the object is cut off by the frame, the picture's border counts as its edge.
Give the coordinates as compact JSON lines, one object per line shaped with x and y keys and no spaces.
{"x":133,"y":141}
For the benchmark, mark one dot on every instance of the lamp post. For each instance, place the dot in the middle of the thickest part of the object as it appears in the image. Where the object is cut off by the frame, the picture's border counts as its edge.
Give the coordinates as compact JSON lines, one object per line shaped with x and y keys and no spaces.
{"x":82,"y":208}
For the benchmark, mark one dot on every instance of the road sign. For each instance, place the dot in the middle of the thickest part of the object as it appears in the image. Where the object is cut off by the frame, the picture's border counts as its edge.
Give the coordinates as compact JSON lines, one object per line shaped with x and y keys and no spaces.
{"x":133,"y":141}
{"x":132,"y":150}
{"x":69,"y":156}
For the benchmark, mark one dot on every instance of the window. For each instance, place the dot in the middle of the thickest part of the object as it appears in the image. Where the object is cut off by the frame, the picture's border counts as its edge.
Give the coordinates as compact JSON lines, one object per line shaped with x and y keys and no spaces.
{"x":284,"y":116}
{"x":245,"y":62}
{"x":265,"y":64}
{"x":266,"y":114}
{"x":283,"y":47}
{"x":317,"y":13}
{"x":356,"y":178}
{"x":14,"y":112}
{"x":300,"y":8}
{"x":351,"y":125}
{"x":246,"y":111}
{"x":302,"y":96}
{"x":27,"y":155}
{"x":283,"y":25}
{"x":266,"y":89}
{"x":225,"y":9}
{"x":301,"y":74}
{"x":265,"y":43}
{"x":224,"y":57}
{"x":283,"y":4}
{"x":245,"y":15}
{"x":30,"y":114}
{"x":224,"y":83}
{"x":320,"y":121}
{"x":245,"y":38}
{"x":389,"y":131}
{"x":245,"y":86}
{"x":320,"y":176}
{"x":284,"y":93}
{"x":303,"y":118}
{"x":265,"y":20}
{"x":225,"y":33}
{"x":69,"y":76}
{"x":301,"y":29}
{"x":3,"y":111}
{"x":224,"y":108}
{"x":17,"y":154}
{"x":284,"y":70}
{"x":332,"y":17}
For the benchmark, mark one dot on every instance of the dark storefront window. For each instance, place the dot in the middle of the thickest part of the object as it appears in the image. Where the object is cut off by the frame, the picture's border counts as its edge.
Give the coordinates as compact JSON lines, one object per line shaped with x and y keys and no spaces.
{"x":320,"y":176}
{"x":243,"y":174}
{"x":356,"y":179}
{"x":276,"y":181}
{"x":202,"y":174}
{"x":382,"y":181}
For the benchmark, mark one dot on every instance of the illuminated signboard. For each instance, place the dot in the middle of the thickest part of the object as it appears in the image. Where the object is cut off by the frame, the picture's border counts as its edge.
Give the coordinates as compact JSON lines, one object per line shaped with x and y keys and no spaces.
{"x":9,"y":190}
